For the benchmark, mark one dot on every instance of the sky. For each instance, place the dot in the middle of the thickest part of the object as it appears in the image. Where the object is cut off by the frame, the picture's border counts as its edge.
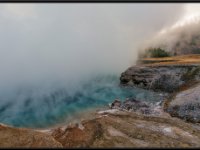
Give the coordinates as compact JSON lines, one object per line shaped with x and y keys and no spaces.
{"x":44,"y":44}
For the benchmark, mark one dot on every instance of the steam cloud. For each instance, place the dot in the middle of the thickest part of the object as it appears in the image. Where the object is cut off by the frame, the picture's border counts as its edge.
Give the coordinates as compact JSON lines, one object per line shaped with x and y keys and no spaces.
{"x":182,"y":37}
{"x":67,"y":42}
{"x":47,"y":46}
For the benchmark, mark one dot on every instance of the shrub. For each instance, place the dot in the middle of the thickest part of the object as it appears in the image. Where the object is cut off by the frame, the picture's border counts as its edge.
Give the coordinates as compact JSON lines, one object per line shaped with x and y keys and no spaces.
{"x":157,"y":52}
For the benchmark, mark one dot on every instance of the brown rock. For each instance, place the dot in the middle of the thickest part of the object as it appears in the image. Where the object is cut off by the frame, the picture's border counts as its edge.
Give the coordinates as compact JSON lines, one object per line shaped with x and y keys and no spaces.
{"x":131,"y":130}
{"x":19,"y":137}
{"x":76,"y":137}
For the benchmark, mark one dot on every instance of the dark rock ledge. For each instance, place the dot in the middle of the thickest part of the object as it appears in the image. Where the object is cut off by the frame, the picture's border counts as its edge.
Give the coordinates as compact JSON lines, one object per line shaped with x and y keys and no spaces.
{"x":160,"y":78}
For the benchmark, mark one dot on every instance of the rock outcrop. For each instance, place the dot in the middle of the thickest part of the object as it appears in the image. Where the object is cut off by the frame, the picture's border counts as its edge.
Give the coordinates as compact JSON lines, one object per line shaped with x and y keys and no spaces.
{"x":115,"y":128}
{"x":186,"y":105}
{"x":131,"y":104}
{"x":120,"y":127}
{"x":160,"y":78}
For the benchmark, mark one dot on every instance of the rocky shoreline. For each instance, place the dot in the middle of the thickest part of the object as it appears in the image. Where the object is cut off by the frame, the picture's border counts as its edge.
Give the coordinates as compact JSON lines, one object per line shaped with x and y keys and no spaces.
{"x":160,"y":78}
{"x":179,"y":80}
{"x":173,"y":122}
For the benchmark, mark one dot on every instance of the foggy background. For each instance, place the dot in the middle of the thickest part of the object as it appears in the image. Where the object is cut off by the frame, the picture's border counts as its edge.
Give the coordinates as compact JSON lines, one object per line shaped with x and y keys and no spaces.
{"x":47,"y":43}
{"x":182,"y":37}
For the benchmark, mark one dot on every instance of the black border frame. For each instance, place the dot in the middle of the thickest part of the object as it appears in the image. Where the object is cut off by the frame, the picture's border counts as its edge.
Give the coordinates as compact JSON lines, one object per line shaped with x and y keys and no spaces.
{"x":99,"y":1}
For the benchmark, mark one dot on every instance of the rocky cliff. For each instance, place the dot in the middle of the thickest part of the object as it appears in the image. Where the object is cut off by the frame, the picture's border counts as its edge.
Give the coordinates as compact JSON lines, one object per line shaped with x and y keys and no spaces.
{"x":185,"y":104}
{"x":166,"y":75}
{"x":179,"y":76}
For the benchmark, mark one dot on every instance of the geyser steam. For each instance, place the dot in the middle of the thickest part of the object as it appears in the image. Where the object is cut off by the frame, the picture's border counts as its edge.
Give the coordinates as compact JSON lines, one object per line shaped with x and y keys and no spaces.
{"x":46,"y":42}
{"x":47,"y":47}
{"x":182,"y":37}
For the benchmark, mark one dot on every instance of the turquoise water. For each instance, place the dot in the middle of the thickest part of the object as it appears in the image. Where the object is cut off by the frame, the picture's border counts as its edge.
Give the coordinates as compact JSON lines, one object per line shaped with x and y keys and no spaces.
{"x":29,"y":108}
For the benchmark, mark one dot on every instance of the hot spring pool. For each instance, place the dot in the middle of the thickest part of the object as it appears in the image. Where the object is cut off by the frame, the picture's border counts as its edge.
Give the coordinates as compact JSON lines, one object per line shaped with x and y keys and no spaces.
{"x":36,"y":108}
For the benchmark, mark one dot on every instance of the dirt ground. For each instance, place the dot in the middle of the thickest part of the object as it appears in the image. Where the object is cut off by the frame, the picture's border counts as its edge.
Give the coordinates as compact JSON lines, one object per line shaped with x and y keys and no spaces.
{"x":175,"y":60}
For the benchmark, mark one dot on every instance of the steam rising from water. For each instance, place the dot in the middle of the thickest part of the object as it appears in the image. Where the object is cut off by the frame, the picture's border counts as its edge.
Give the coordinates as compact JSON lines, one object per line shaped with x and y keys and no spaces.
{"x":48,"y":52}
{"x":42,"y":43}
{"x":41,"y":108}
{"x":182,"y":37}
